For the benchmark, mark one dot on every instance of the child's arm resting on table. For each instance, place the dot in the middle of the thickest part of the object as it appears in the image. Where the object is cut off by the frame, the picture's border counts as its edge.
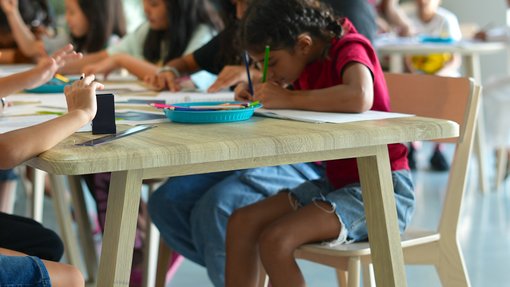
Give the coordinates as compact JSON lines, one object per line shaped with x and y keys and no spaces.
{"x":355,"y":95}
{"x":20,"y":145}
{"x":40,"y":74}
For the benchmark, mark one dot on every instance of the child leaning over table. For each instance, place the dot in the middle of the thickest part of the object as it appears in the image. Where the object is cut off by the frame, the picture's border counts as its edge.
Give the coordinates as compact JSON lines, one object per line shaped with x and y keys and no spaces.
{"x":334,"y":69}
{"x":431,"y":20}
{"x":17,"y":268}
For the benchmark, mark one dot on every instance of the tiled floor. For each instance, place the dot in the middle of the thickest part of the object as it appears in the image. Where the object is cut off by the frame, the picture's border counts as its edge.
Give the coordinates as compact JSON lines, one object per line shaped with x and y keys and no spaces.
{"x":484,"y":235}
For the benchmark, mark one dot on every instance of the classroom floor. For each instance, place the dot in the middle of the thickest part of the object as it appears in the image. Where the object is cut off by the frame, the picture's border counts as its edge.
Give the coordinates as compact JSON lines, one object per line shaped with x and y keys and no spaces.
{"x":484,"y":233}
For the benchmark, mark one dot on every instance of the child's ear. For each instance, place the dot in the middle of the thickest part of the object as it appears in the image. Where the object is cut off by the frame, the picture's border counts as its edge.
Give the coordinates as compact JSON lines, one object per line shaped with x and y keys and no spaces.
{"x":304,"y":44}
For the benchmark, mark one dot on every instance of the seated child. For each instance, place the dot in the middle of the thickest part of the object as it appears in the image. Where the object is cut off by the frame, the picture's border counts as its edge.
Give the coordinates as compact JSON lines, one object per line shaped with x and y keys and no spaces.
{"x":332,"y":69}
{"x":499,"y":33}
{"x":16,"y":268}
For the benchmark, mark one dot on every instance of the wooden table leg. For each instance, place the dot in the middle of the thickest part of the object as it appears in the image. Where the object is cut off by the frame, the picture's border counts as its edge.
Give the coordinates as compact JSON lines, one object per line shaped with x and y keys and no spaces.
{"x":120,"y":228}
{"x":379,"y":200}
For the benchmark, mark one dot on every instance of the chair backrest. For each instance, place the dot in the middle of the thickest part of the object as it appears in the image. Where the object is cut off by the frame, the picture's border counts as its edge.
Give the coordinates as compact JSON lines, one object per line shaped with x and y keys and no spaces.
{"x":454,"y":99}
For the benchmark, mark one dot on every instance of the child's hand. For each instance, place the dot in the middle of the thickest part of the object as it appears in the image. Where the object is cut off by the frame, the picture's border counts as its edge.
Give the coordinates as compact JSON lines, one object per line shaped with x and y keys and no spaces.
{"x":104,"y":67}
{"x":481,"y":35}
{"x":162,"y":81}
{"x":9,"y":6}
{"x":81,"y":96}
{"x":65,"y":54}
{"x":272,"y":95}
{"x":242,"y":93}
{"x":231,"y":75}
{"x":48,"y":66}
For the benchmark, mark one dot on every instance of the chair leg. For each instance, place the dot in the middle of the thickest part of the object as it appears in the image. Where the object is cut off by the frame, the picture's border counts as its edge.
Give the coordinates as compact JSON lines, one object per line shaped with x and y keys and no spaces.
{"x":164,"y":255}
{"x":64,"y":219}
{"x":38,"y":195}
{"x":152,"y":244}
{"x":368,"y":273}
{"x":151,"y":253}
{"x":341,"y":277}
{"x":451,"y":268}
{"x":84,"y":227}
{"x":501,"y":160}
{"x":354,"y":272}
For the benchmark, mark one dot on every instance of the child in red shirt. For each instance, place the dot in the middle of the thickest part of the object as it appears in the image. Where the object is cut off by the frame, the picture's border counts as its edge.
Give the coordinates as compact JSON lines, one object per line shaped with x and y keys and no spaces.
{"x":332,"y":69}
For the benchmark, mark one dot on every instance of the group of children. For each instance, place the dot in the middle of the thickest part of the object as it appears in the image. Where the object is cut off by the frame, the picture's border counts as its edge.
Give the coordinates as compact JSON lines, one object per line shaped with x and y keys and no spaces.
{"x":225,"y":221}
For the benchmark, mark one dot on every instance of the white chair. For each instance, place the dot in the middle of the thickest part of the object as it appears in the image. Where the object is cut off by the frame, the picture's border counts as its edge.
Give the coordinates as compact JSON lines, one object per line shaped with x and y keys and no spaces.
{"x":455,"y":99}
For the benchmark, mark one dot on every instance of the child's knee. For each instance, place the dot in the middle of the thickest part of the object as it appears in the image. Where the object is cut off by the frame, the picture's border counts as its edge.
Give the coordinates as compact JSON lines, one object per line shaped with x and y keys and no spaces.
{"x":73,"y":277}
{"x":275,"y":241}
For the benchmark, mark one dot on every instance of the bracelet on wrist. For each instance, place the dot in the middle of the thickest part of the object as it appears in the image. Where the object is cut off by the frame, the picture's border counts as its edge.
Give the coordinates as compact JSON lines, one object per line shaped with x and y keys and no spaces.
{"x":170,"y":69}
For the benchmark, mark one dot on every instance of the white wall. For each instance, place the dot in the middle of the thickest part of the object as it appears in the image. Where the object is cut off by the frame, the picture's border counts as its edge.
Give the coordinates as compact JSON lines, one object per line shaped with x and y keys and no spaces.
{"x":483,"y":13}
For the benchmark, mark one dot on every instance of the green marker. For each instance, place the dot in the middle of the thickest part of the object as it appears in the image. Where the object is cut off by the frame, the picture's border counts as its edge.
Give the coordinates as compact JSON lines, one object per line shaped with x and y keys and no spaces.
{"x":266,"y":62}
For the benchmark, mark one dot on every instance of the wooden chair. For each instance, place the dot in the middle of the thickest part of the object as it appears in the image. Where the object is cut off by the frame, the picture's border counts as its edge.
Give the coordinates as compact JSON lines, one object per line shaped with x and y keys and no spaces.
{"x":455,"y":99}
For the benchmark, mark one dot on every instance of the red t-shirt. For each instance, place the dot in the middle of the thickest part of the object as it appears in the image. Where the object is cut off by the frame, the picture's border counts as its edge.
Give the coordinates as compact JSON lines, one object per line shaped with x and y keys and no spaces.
{"x":324,"y":73}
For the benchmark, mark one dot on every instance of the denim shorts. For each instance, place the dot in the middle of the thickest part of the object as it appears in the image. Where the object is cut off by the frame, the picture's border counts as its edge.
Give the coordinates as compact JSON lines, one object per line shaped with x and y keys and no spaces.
{"x":26,"y":271}
{"x":7,"y":174}
{"x":347,"y":203}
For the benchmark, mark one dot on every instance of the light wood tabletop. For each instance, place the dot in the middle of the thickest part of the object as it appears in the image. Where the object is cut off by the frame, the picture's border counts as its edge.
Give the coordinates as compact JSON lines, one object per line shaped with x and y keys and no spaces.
{"x":178,"y":149}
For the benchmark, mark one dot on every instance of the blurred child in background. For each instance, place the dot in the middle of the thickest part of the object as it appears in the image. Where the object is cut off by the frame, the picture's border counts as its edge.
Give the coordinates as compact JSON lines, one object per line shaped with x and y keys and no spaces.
{"x":93,"y":25}
{"x":35,"y":16}
{"x":431,"y":20}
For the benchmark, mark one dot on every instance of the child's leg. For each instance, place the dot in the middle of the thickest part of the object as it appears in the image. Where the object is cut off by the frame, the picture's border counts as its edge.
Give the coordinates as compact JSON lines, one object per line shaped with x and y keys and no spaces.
{"x":312,"y":223}
{"x":61,"y":275}
{"x":244,"y":228}
{"x":64,"y":275}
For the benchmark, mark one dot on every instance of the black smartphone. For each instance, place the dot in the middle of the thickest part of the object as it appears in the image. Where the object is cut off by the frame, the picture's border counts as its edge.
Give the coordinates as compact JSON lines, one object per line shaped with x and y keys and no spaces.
{"x":104,"y":121}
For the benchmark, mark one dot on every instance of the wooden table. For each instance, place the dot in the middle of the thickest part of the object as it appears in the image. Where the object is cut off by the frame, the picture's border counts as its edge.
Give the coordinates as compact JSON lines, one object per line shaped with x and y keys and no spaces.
{"x":470,"y":52}
{"x":181,"y":149}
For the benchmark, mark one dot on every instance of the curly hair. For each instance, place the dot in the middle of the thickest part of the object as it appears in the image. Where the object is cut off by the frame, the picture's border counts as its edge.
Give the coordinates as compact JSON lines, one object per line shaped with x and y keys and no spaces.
{"x":278,"y":23}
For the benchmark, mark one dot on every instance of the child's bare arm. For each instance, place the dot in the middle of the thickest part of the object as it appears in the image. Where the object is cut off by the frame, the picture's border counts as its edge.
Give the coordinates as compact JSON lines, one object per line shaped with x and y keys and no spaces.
{"x":20,"y":145}
{"x":355,"y":95}
{"x":76,"y":67}
{"x":168,"y":79}
{"x":40,"y":74}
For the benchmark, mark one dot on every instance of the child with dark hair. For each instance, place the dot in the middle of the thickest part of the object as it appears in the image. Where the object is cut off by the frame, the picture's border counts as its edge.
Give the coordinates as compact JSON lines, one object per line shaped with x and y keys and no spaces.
{"x":332,"y":68}
{"x":174,"y":28}
{"x":227,"y":62}
{"x":36,"y":15}
{"x":93,"y":25}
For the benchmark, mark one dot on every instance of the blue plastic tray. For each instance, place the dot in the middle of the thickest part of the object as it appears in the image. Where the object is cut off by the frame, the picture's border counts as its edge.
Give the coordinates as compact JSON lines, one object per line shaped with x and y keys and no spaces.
{"x":221,"y":116}
{"x":430,"y":39}
{"x":54,"y":86}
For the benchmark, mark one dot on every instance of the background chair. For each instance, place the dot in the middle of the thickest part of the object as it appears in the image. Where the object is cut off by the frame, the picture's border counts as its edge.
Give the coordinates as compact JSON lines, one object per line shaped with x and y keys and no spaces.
{"x":455,"y":99}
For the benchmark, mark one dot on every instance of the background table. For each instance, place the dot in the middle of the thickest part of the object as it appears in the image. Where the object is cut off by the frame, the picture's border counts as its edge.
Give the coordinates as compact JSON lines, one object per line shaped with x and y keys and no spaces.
{"x":470,"y":52}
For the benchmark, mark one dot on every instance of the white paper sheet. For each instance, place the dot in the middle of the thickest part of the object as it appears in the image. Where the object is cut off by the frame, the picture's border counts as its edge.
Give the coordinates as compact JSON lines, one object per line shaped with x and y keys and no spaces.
{"x":320,"y":117}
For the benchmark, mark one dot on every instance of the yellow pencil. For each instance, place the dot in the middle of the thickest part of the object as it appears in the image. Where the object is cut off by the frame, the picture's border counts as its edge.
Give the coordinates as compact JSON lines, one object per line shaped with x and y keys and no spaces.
{"x":62,"y":78}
